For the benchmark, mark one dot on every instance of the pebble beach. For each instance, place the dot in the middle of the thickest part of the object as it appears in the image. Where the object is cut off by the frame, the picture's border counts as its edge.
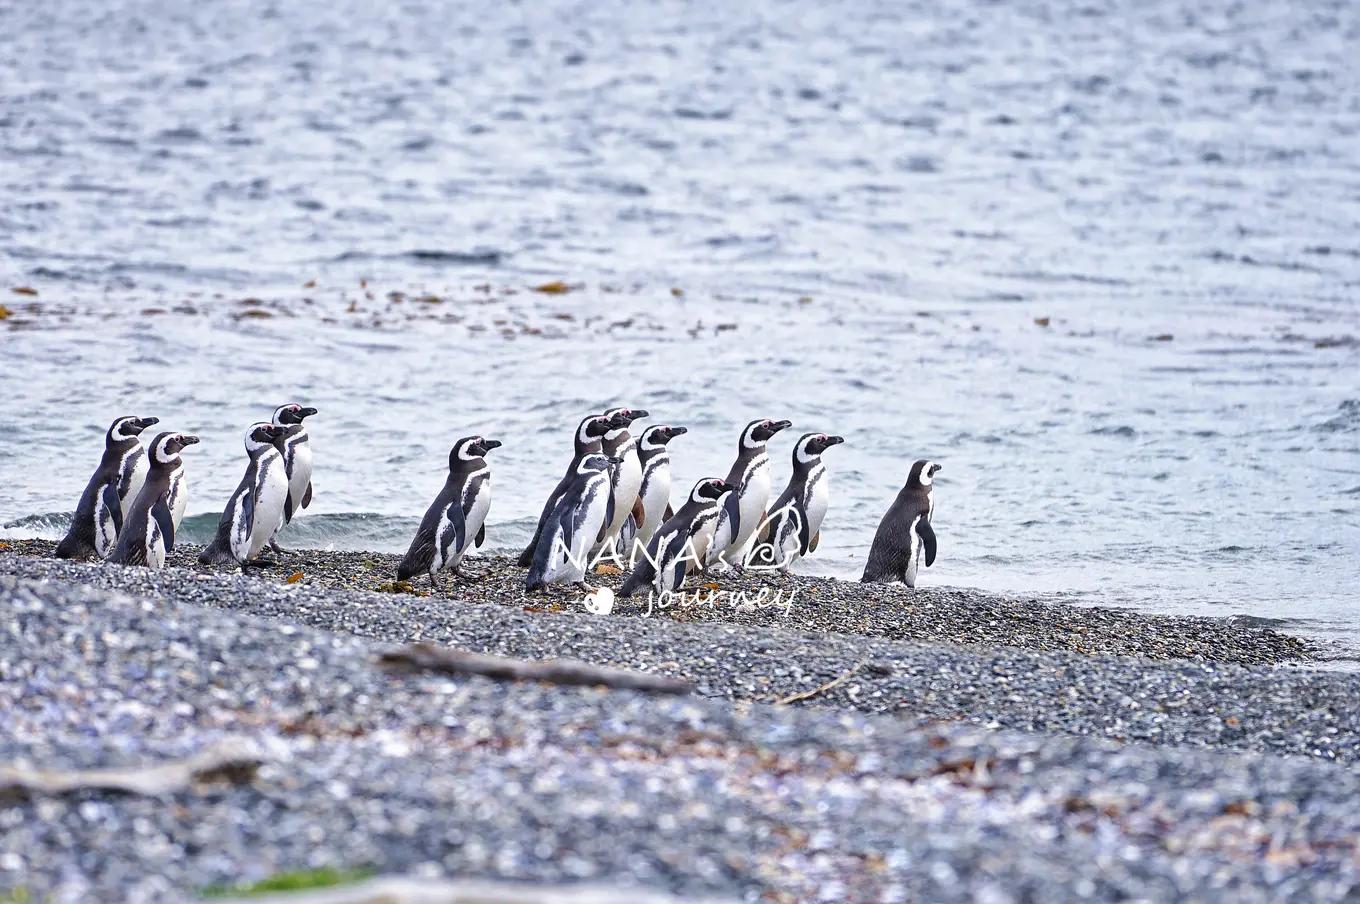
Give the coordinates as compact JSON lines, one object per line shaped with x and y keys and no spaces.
{"x":871,"y":743}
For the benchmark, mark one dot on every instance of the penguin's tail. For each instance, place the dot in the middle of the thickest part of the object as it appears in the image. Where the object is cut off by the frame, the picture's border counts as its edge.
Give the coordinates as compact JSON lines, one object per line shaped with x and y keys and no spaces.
{"x":71,"y":548}
{"x":216,"y":553}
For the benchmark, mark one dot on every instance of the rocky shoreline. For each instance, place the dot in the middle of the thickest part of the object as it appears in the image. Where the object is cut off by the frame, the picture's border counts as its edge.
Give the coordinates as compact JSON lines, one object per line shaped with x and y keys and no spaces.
{"x":876,"y":745}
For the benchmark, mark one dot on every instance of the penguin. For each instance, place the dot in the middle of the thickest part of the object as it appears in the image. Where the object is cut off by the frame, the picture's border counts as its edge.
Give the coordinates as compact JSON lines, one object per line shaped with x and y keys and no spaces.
{"x":575,"y":523}
{"x":744,"y":509}
{"x":297,"y":456}
{"x":148,"y":533}
{"x":679,"y":545}
{"x":905,"y":531}
{"x":655,"y":492}
{"x":589,"y":436}
{"x":795,"y":521}
{"x":625,"y":482}
{"x":110,"y":493}
{"x":254,"y":512}
{"x":457,"y":517}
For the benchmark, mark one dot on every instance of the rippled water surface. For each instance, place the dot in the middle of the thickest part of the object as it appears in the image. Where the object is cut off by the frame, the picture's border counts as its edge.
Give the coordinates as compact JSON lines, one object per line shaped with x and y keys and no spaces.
{"x":1102,"y":263}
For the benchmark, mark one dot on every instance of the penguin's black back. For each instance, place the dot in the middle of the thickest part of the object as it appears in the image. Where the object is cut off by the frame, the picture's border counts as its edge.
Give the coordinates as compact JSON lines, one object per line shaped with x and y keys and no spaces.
{"x":891,"y":551}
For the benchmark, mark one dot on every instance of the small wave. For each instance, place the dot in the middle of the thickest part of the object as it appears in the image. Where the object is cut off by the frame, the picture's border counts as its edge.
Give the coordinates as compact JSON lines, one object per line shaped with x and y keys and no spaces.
{"x":1122,"y":430}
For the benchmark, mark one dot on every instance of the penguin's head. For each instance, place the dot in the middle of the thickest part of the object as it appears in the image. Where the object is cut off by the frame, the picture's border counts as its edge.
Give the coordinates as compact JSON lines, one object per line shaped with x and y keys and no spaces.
{"x":165,"y":448}
{"x":923,"y":473}
{"x":709,"y":489}
{"x":470,"y":449}
{"x":595,"y":461}
{"x":126,"y":428}
{"x":757,"y":433}
{"x":591,"y":431}
{"x":292,"y":413}
{"x":620,"y":418}
{"x":263,"y":434}
{"x":811,"y":445}
{"x":656,"y":437}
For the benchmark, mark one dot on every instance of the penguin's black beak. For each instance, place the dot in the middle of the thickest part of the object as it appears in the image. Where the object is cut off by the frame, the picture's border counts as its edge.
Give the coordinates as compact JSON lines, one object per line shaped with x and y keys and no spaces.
{"x":187,"y":439}
{"x":489,"y":444}
{"x":673,"y":432}
{"x":776,"y":426}
{"x":635,"y":414}
{"x":834,"y":440}
{"x":935,"y":468}
{"x":306,"y":412}
{"x":144,"y":422}
{"x":622,"y":419}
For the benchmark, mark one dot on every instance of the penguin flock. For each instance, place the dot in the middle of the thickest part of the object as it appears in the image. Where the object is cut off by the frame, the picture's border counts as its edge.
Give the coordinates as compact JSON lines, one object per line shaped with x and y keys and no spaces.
{"x":612,"y":506}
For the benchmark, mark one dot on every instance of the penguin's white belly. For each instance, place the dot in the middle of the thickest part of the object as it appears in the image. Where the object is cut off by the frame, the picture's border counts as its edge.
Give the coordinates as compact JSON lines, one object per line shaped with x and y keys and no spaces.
{"x":573,"y":567}
{"x":752,"y":503}
{"x":179,"y":496}
{"x":701,"y":540}
{"x":913,"y":552}
{"x":301,"y":475}
{"x":819,"y":498}
{"x":269,"y":501}
{"x":626,"y":492}
{"x":654,"y":503}
{"x":135,"y":470}
{"x":476,"y":515}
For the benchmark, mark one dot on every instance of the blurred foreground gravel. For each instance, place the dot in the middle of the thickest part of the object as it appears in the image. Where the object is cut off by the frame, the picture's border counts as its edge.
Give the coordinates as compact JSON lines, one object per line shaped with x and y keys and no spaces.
{"x":434,"y":775}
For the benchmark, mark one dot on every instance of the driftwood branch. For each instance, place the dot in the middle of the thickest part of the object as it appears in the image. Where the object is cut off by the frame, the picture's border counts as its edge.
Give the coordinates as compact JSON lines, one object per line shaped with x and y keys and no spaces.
{"x":233,"y":761}
{"x":401,"y":890}
{"x":822,"y":688}
{"x":419,"y":657}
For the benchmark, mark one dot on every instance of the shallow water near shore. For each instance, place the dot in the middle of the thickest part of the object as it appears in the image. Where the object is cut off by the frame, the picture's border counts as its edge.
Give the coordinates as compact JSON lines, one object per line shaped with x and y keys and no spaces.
{"x":1102,"y":266}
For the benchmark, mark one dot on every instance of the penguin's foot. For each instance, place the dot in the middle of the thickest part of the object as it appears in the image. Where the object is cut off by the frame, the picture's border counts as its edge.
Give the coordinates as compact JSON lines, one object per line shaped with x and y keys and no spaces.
{"x":259,"y":563}
{"x":582,"y":585}
{"x":275,"y":547}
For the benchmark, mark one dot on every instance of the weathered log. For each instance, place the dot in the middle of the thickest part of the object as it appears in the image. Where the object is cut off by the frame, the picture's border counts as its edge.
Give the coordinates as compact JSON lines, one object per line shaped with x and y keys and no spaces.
{"x":418,"y":657}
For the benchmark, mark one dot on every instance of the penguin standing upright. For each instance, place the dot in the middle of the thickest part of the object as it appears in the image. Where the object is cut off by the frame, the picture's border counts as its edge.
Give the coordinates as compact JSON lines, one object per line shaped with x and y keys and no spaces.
{"x":110,"y":493}
{"x":296,"y":448}
{"x":457,"y":517}
{"x":744,"y":509}
{"x":588,"y":440}
{"x":655,"y":492}
{"x":795,"y":520}
{"x":905,"y":531}
{"x":625,"y":482}
{"x":254,"y":512}
{"x":679,"y":545}
{"x":573,"y":526}
{"x":148,"y":533}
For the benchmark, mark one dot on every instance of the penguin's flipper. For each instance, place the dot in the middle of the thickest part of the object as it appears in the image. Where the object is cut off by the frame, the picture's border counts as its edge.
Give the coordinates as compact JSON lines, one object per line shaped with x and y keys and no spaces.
{"x":160,"y":510}
{"x":481,"y":535}
{"x":243,"y":525}
{"x":805,"y":541}
{"x":730,"y":518}
{"x":287,"y":508}
{"x":812,"y":546}
{"x":113,"y":504}
{"x":454,"y":532}
{"x":927,"y":540}
{"x":307,"y":496}
{"x":670,"y":513}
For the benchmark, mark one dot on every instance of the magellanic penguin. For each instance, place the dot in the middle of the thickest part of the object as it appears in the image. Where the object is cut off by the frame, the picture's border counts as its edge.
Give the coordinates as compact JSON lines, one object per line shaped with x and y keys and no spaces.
{"x":297,"y":456}
{"x":905,"y":531}
{"x":655,"y":493}
{"x":678,"y":546}
{"x":744,"y":510}
{"x":573,"y":526}
{"x":148,"y":533}
{"x":795,"y":520}
{"x":254,"y":513}
{"x":625,"y":482}
{"x":110,"y":492}
{"x":588,"y":440}
{"x":457,"y":517}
